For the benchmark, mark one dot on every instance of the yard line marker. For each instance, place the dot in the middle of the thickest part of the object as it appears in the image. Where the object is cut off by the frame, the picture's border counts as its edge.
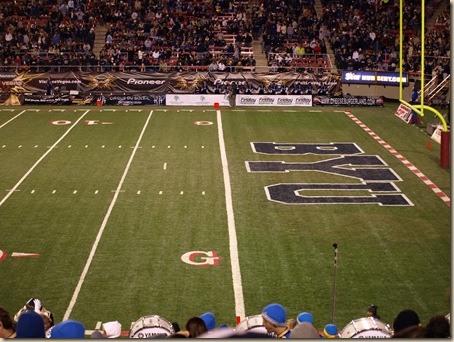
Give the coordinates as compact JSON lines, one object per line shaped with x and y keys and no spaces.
{"x":98,"y":325}
{"x":315,"y":111}
{"x":110,"y":110}
{"x":165,"y":166}
{"x":203,"y":192}
{"x":135,"y":110}
{"x":181,"y":192}
{"x":409,"y":165}
{"x":75,"y":192}
{"x":42,"y":157}
{"x":54,"y":191}
{"x":160,"y":192}
{"x":36,"y":146}
{"x":58,"y":110}
{"x":33,"y":191}
{"x":263,"y":110}
{"x":138,"y":192}
{"x":185,"y":147}
{"x":168,"y":146}
{"x":86,"y":146}
{"x":7,"y":110}
{"x":119,"y":146}
{"x":203,"y":146}
{"x":238,"y":110}
{"x":104,"y":223}
{"x":7,"y":122}
{"x":103,"y":146}
{"x":152,"y":146}
{"x":96,"y":192}
{"x":233,"y":243}
{"x":69,"y":146}
{"x":3,"y":146}
{"x":19,"y":146}
{"x":289,"y":111}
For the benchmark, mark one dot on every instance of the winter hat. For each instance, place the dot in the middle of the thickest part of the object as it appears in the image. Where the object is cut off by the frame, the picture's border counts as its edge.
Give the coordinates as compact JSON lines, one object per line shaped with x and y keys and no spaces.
{"x":304,"y":330}
{"x":68,"y":329}
{"x":275,"y":314}
{"x":330,"y":331}
{"x":405,"y":319}
{"x":305,"y":317}
{"x":112,"y":329}
{"x":30,"y":325}
{"x":209,"y":319}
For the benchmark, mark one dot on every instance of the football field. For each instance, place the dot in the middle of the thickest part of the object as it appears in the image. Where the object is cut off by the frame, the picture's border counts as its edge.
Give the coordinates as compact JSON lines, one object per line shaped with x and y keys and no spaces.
{"x":113,"y":213}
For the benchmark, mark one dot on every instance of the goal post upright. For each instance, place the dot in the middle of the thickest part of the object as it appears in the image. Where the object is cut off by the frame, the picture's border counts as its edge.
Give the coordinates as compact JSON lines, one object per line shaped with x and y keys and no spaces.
{"x":445,"y":134}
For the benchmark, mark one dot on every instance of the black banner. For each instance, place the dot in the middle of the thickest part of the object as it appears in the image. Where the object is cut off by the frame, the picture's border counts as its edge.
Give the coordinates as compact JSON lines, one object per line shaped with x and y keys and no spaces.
{"x":128,"y":83}
{"x":347,"y":101}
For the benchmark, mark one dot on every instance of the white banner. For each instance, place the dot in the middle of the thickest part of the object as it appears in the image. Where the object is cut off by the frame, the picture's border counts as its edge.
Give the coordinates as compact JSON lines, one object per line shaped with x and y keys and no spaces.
{"x":437,"y":134}
{"x":274,"y":100}
{"x":196,"y":100}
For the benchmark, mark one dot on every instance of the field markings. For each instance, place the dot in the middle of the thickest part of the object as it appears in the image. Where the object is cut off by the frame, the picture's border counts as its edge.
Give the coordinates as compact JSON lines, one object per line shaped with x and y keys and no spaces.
{"x":233,"y":243}
{"x":104,"y":223}
{"x":404,"y":160}
{"x":7,"y":122}
{"x":42,"y":157}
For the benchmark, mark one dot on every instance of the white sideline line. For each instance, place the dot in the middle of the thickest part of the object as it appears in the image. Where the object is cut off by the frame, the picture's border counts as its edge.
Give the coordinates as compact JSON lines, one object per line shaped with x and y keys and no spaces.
{"x":41,"y":159}
{"x":7,"y":122}
{"x":233,"y":244}
{"x":103,"y":225}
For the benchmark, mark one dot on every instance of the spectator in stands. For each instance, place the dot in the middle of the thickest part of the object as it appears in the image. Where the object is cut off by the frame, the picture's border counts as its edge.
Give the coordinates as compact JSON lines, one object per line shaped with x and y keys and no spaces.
{"x":30,"y":325}
{"x":7,"y":326}
{"x":275,"y":319}
{"x":405,"y":318}
{"x":438,"y":327}
{"x":68,"y":329}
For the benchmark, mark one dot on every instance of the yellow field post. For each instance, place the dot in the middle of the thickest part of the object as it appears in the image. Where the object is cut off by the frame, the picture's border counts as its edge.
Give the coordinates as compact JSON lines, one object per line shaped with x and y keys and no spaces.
{"x":445,"y":135}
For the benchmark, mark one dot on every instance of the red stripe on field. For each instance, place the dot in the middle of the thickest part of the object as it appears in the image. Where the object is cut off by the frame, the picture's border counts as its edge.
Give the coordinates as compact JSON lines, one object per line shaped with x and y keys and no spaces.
{"x":410,"y":166}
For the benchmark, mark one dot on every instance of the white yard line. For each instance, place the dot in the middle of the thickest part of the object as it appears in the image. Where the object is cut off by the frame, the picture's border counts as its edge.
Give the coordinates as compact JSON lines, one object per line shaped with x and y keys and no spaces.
{"x":235,"y":263}
{"x":7,"y":122}
{"x":103,"y":225}
{"x":41,"y":159}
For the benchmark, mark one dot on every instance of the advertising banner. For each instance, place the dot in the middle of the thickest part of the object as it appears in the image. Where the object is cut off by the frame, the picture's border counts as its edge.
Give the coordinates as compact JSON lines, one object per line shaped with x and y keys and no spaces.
{"x":374,"y":77}
{"x":196,"y":100}
{"x":274,"y":100}
{"x":318,"y":100}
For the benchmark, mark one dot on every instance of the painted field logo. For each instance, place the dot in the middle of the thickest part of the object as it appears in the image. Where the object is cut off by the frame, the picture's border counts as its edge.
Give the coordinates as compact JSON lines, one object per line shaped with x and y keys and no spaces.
{"x":200,"y":258}
{"x":375,"y":181}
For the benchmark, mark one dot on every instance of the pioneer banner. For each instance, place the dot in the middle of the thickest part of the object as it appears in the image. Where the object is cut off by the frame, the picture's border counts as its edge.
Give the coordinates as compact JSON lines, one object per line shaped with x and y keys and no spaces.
{"x":127,"y":83}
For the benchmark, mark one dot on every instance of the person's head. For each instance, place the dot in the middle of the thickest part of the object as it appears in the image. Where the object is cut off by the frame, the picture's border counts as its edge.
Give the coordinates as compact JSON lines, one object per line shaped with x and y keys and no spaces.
{"x":274,"y":317}
{"x":438,"y":327}
{"x":330,"y":331}
{"x":196,"y":326}
{"x":30,"y":325}
{"x":372,"y":311}
{"x":305,"y":317}
{"x":209,"y":319}
{"x":413,"y":331}
{"x":7,"y":326}
{"x":405,"y":318}
{"x":68,"y":329}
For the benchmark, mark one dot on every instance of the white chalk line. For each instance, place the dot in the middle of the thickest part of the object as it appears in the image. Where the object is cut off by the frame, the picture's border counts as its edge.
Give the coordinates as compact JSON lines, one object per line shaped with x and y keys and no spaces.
{"x":103,"y":225}
{"x":7,"y":122}
{"x":233,"y":244}
{"x":41,"y":159}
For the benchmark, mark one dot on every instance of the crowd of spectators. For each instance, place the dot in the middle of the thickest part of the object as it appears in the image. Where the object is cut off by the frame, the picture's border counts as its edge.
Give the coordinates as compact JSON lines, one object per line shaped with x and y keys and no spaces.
{"x":217,"y":35}
{"x":364,"y":35}
{"x":34,"y":321}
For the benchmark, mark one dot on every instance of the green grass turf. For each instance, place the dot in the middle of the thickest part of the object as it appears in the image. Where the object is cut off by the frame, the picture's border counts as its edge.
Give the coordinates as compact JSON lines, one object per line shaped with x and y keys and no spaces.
{"x":394,"y":257}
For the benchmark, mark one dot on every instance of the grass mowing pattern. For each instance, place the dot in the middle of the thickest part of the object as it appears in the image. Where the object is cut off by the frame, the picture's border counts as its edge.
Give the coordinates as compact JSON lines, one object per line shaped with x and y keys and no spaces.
{"x":394,"y":257}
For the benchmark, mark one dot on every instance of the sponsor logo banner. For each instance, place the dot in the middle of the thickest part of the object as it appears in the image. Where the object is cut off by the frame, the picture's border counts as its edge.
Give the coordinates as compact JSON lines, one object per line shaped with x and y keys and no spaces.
{"x":196,"y":100}
{"x":347,"y":100}
{"x":274,"y":100}
{"x":374,"y":77}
